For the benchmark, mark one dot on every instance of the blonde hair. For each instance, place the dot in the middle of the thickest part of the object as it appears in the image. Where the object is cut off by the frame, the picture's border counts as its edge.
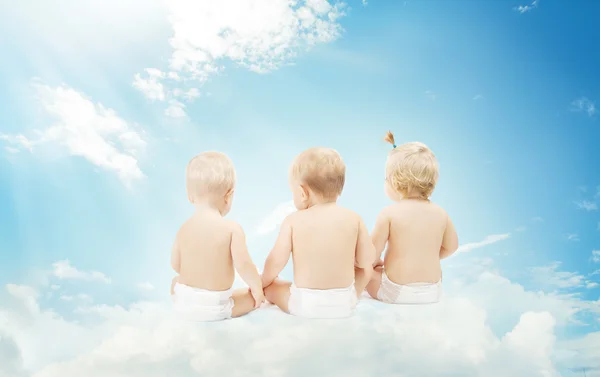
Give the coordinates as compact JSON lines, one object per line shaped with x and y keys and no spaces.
{"x":322,"y":170}
{"x":209,"y":173}
{"x":411,"y":168}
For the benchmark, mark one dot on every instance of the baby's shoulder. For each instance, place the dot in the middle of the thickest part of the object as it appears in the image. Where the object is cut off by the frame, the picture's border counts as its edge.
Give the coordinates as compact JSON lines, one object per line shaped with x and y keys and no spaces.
{"x":347,"y":214}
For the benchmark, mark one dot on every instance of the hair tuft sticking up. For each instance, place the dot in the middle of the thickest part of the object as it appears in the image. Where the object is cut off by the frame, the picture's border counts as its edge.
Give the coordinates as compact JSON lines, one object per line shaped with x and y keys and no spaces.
{"x":389,"y":137}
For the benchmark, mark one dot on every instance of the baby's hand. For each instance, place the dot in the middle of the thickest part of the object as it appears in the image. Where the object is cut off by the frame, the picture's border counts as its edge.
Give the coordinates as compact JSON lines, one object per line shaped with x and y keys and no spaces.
{"x":379,"y":263}
{"x":259,"y":297}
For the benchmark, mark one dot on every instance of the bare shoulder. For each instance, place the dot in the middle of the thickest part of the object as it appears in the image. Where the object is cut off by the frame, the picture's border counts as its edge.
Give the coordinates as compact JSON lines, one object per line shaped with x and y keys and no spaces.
{"x":293,"y":218}
{"x":438,"y":210}
{"x":350,"y":215}
{"x":233,"y":227}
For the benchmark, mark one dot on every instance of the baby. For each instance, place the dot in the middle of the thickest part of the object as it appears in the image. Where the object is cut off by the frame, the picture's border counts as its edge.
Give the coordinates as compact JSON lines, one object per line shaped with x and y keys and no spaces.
{"x":327,"y":243}
{"x":208,"y":247}
{"x":418,"y":233}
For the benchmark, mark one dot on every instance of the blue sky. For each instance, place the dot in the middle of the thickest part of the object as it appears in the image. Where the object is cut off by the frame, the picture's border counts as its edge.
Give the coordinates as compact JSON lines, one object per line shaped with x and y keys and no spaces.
{"x":94,"y":147}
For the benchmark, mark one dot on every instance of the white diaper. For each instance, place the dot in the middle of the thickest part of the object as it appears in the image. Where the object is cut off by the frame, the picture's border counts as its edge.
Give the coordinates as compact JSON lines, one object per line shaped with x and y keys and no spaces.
{"x":414,"y":293}
{"x":195,"y":304}
{"x":322,"y":303}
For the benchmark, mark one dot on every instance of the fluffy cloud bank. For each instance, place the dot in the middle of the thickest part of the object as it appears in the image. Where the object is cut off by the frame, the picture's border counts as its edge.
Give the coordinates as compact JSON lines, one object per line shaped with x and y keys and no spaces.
{"x":460,"y":336}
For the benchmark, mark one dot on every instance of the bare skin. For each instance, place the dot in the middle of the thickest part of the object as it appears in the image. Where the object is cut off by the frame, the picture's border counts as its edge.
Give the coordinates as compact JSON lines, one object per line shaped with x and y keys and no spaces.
{"x":327,"y":244}
{"x":207,"y":251}
{"x":418,"y":234}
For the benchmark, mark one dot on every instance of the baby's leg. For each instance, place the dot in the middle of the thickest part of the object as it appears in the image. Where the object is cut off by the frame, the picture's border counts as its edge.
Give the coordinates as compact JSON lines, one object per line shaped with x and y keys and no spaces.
{"x":278,"y":293}
{"x":173,"y":282}
{"x":243,"y":302}
{"x":375,"y":283}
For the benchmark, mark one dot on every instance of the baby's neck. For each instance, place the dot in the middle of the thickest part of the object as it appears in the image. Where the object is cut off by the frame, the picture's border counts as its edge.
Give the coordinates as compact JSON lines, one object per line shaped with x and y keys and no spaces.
{"x":322,"y":202}
{"x":207,"y":207}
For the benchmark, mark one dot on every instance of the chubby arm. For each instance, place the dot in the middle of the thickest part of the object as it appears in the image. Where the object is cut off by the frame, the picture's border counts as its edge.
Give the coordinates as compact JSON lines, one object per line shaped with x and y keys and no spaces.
{"x":365,"y":252}
{"x":381,"y":233}
{"x":279,"y":255}
{"x":241,"y":259}
{"x":176,"y":256}
{"x":450,"y":241}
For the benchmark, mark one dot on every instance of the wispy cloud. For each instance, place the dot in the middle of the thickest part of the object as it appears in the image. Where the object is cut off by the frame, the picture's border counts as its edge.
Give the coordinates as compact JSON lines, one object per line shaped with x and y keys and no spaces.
{"x":583,"y":104}
{"x":430,"y":94}
{"x":274,"y":219}
{"x":521,"y":229}
{"x":477,"y":97}
{"x":65,"y":271}
{"x":573,"y":237}
{"x":486,"y":241}
{"x":79,"y":297}
{"x":537,"y":219}
{"x":145,"y":286}
{"x":527,"y":8}
{"x":586,"y":205}
{"x":552,"y":276}
{"x":595,"y":256}
{"x":261,"y":36}
{"x":85,"y":129}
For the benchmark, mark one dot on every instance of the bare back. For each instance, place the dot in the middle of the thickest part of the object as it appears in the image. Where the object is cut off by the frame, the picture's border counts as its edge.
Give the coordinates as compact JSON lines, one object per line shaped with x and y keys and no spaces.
{"x":416,"y":232}
{"x":324,"y":243}
{"x":204,"y":243}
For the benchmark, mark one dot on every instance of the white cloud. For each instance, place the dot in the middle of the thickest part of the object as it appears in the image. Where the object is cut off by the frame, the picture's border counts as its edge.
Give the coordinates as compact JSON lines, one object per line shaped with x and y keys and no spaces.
{"x":431,"y":95}
{"x":459,"y":336}
{"x":527,"y":8}
{"x":596,"y":256}
{"x":275,"y":218}
{"x":175,"y":109}
{"x":10,"y":357}
{"x":591,"y":284}
{"x":365,"y":3}
{"x":151,"y":86}
{"x":145,"y":286}
{"x":551,"y":276}
{"x":486,"y":241}
{"x":65,"y":271}
{"x":573,"y":237}
{"x":260,"y":35}
{"x":85,"y":129}
{"x":586,"y":205}
{"x":27,"y":296}
{"x":79,"y":297}
{"x":583,"y":104}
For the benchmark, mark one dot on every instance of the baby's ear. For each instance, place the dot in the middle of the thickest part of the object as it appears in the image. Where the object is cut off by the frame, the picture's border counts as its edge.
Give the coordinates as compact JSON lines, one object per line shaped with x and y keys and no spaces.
{"x":304,"y":192}
{"x":229,"y":194}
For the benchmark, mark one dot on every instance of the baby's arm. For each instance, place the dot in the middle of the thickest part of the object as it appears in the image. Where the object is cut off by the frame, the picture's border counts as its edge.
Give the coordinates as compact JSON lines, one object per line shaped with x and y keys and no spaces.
{"x":364,"y":259}
{"x":365,"y":252}
{"x":450,"y":241}
{"x":176,"y":256}
{"x":279,"y":255}
{"x":381,"y":234}
{"x":243,"y":263}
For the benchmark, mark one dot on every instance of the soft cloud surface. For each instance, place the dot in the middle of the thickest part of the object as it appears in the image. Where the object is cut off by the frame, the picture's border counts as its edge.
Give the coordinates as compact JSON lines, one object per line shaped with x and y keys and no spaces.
{"x":459,"y":336}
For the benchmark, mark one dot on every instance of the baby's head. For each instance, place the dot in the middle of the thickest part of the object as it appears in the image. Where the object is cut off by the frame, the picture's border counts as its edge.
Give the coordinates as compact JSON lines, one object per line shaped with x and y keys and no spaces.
{"x":210,"y":179}
{"x":317,"y":176}
{"x":411,"y":171}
